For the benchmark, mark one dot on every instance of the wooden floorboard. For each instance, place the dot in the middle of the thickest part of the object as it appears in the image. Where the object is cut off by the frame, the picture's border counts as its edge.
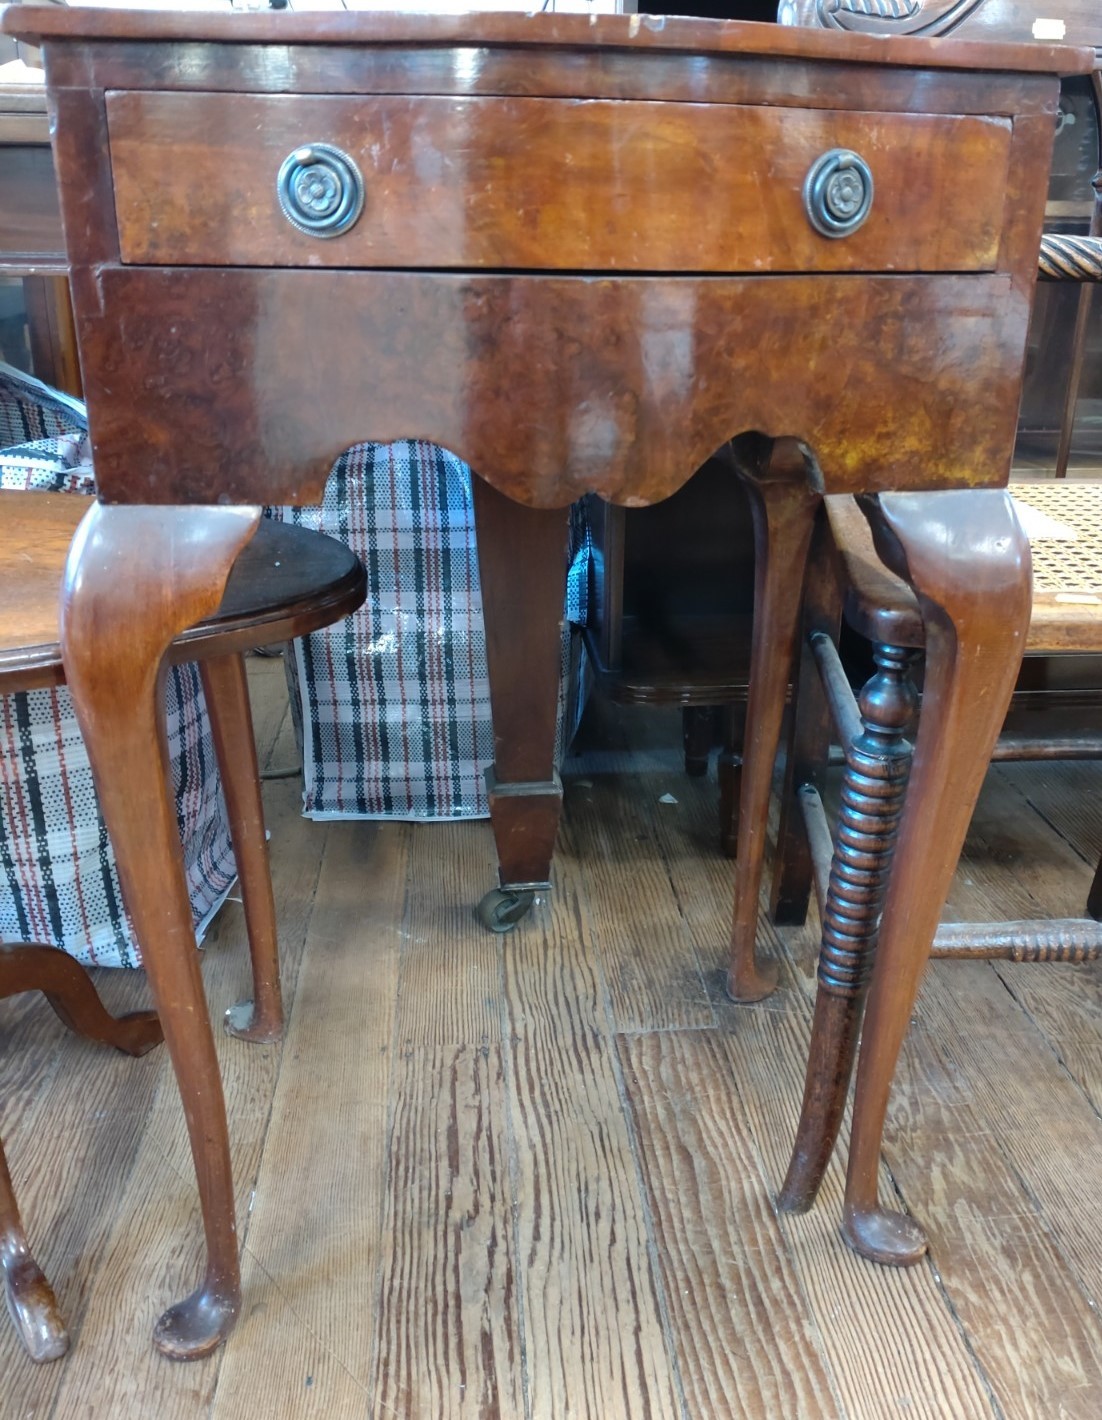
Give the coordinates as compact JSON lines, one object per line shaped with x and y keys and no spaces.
{"x":313,"y":1241}
{"x":533,"y":1176}
{"x":594,"y":1321}
{"x":652,"y":973}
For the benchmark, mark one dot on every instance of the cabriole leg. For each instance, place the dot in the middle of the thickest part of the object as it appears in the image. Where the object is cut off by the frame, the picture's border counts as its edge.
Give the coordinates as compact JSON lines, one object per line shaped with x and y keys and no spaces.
{"x":30,"y":1298}
{"x":965,"y":555}
{"x":783,"y":508}
{"x":137,"y":577}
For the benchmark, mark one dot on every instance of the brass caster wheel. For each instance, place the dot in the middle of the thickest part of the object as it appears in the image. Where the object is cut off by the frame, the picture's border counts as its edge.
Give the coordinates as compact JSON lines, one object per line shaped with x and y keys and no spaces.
{"x":500,"y":910}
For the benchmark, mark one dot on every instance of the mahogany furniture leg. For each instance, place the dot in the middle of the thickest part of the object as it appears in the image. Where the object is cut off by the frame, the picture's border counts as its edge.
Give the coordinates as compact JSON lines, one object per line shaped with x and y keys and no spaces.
{"x":522,"y":568}
{"x":877,"y":765}
{"x":31,"y":1302}
{"x":968,"y":561}
{"x":75,"y":1001}
{"x":69,"y":990}
{"x":697,"y":732}
{"x":729,"y":771}
{"x":783,"y":507}
{"x":226,"y":689}
{"x":1094,"y":897}
{"x":809,"y":738}
{"x":136,"y":577}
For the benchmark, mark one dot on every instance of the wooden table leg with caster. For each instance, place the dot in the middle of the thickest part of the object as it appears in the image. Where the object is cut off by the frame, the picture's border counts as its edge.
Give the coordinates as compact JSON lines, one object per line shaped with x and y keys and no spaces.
{"x":522,"y":565}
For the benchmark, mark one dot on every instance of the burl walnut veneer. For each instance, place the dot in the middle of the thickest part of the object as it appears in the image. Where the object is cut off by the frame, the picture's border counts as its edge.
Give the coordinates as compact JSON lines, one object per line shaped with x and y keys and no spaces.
{"x":582,"y":252}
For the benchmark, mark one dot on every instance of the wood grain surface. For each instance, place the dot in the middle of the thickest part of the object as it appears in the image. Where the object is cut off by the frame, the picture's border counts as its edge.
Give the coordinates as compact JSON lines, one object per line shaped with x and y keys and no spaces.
{"x":525,"y":1210}
{"x":535,"y":183}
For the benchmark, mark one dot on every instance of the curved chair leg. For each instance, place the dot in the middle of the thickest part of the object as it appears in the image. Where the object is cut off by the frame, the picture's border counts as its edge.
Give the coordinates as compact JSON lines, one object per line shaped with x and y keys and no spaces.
{"x":783,"y":507}
{"x":30,"y":1298}
{"x":136,"y":577}
{"x":76,"y":1003}
{"x":226,"y":689}
{"x":877,"y":765}
{"x":966,"y":557}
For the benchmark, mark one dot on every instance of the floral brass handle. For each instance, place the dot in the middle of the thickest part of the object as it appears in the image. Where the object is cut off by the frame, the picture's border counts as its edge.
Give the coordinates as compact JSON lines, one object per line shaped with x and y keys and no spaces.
{"x":320,"y":190}
{"x":838,"y":193}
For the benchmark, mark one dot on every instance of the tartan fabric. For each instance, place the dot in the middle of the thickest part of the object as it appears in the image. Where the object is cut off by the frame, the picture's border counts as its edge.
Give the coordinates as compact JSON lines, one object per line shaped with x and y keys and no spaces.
{"x":392,"y":705}
{"x":58,"y":883}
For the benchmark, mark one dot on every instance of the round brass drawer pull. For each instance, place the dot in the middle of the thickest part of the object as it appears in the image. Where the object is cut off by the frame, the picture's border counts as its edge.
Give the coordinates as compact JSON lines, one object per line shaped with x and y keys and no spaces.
{"x":320,"y":189}
{"x":838,"y":193}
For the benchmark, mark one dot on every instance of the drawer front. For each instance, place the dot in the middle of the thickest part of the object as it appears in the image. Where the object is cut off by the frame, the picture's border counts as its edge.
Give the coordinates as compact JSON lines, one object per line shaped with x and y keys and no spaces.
{"x":551,"y":184}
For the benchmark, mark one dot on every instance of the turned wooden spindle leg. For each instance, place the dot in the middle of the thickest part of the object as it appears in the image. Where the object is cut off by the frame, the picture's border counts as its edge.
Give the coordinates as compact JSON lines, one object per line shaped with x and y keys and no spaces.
{"x":966,"y":557}
{"x":810,"y":735}
{"x":877,"y":764}
{"x":136,"y":577}
{"x":783,"y":507}
{"x":29,"y":1296}
{"x":522,"y":570}
{"x":226,"y":689}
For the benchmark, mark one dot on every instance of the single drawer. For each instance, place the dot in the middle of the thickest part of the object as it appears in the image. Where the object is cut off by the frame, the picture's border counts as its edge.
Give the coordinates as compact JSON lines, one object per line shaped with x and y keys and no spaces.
{"x":549,"y":184}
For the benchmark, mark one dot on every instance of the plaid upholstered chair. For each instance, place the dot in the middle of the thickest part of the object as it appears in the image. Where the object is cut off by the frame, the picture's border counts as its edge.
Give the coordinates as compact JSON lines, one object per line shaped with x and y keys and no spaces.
{"x":58,"y":884}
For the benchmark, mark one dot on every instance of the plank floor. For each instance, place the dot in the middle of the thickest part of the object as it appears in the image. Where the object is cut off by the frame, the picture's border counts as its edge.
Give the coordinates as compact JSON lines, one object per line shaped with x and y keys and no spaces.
{"x":532,"y":1176}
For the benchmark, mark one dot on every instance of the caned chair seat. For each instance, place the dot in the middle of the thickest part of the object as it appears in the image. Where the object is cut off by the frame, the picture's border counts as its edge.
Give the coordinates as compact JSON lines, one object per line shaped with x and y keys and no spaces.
{"x":1063,"y":521}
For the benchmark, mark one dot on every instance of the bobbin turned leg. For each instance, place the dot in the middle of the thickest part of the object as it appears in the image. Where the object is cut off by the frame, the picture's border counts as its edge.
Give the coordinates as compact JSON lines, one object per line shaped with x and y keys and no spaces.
{"x":136,"y":578}
{"x":875,"y":780}
{"x":783,"y":507}
{"x":965,"y":555}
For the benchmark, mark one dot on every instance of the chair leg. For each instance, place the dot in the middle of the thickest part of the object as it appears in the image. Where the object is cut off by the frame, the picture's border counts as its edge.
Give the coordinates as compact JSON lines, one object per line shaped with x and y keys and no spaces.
{"x":226,"y":688}
{"x":30,"y":1299}
{"x":877,"y":765}
{"x":115,"y":630}
{"x":965,"y":555}
{"x":783,"y":507}
{"x":75,"y":1001}
{"x":730,"y":776}
{"x":809,"y":738}
{"x":697,"y":733}
{"x":1094,"y":897}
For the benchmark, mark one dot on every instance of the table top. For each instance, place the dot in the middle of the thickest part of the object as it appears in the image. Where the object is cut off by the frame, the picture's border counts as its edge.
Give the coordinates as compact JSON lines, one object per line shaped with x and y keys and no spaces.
{"x":635,"y":32}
